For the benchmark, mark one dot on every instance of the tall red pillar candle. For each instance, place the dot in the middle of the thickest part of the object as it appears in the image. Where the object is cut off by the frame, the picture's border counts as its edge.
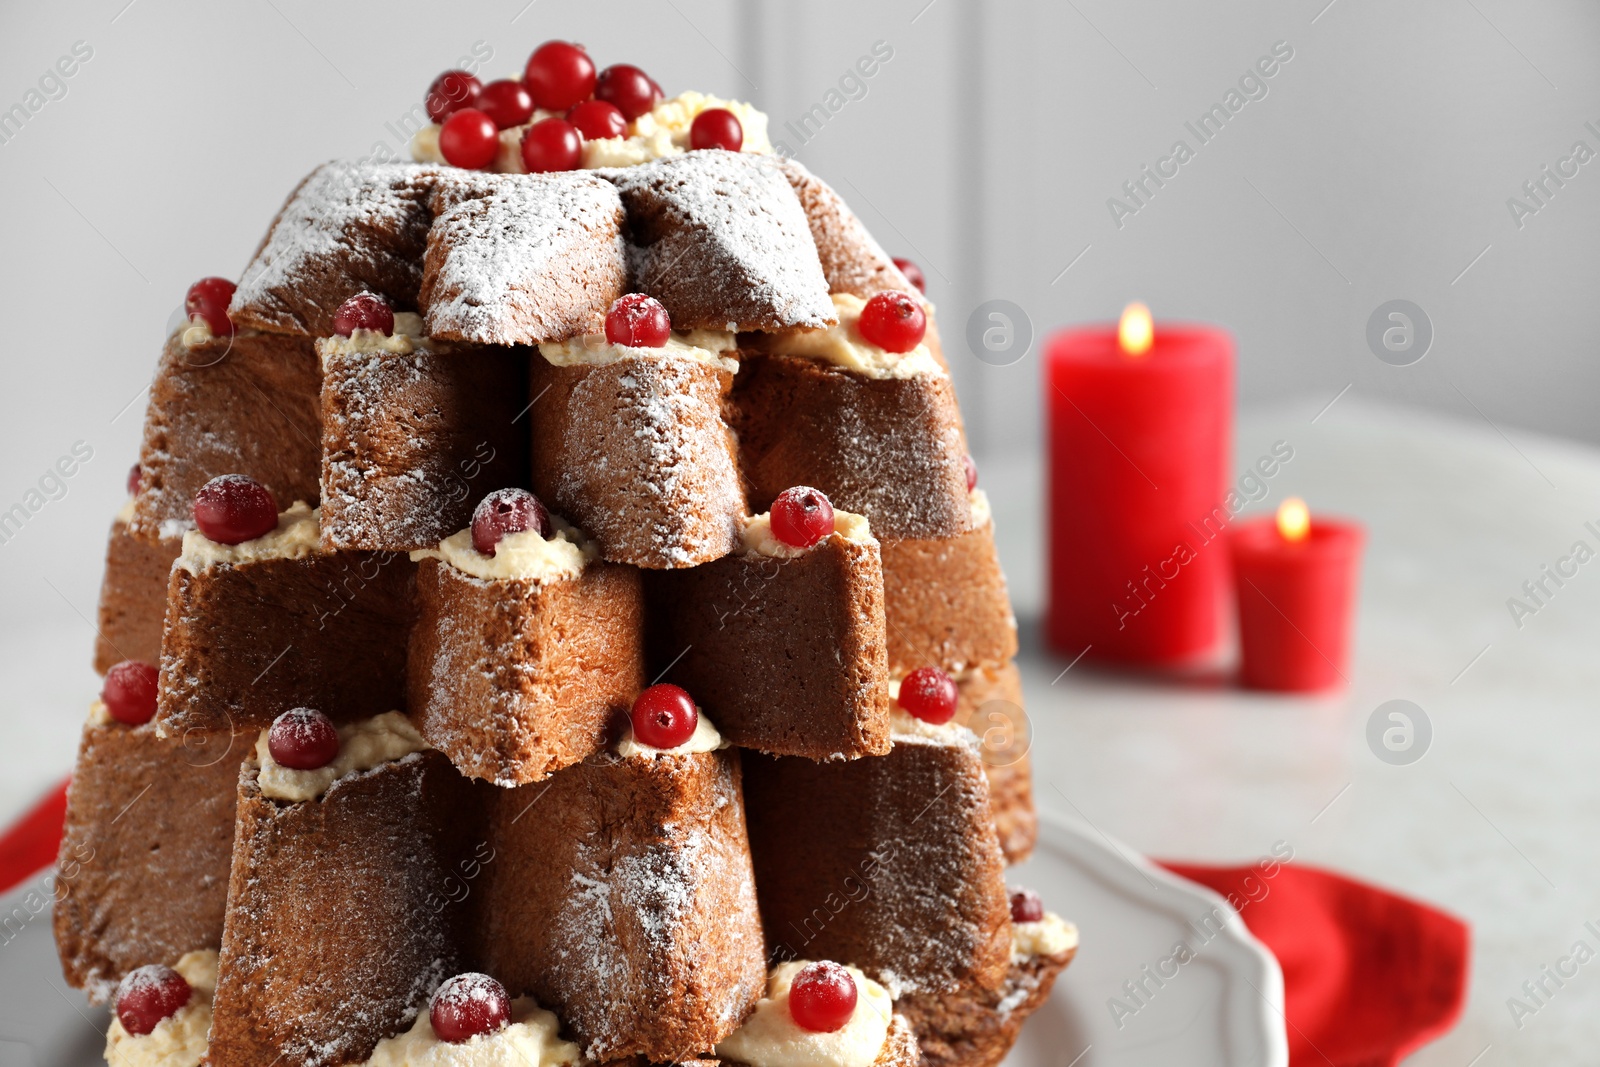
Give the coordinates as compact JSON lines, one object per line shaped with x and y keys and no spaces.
{"x":1296,"y":583}
{"x":1138,"y":451}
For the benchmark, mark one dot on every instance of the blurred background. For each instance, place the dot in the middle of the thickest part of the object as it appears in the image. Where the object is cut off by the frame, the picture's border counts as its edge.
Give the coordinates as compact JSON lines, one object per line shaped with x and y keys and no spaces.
{"x":1424,"y":151}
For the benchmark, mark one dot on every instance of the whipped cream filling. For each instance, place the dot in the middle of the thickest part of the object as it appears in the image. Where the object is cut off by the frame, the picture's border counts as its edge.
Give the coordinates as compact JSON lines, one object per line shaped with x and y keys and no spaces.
{"x":180,"y":1040}
{"x":843,"y":346}
{"x":981,"y":514}
{"x":758,"y":537}
{"x":526,"y":555}
{"x":125,"y":512}
{"x":592,"y":349}
{"x":1050,"y":936}
{"x":99,"y":714}
{"x":771,"y":1038}
{"x":362,"y":746}
{"x":406,"y":339}
{"x":660,"y":132}
{"x":531,"y":1039}
{"x":704,"y":739}
{"x":196,"y":332}
{"x":298,"y":535}
{"x":904,"y":726}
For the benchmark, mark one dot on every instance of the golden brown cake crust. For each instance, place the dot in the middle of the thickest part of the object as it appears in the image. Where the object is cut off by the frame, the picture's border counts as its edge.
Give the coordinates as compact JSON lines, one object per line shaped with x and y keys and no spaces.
{"x":721,"y":240}
{"x":647,"y":942}
{"x":346,"y":228}
{"x":890,"y":863}
{"x":976,"y":1028}
{"x":636,"y":454}
{"x":785,"y":656}
{"x":411,"y":443}
{"x":523,"y":259}
{"x":245,"y":643}
{"x":513,"y":679}
{"x":989,"y":702}
{"x":247,"y":405}
{"x":143,"y":869}
{"x":946,"y":603}
{"x":891,"y":449}
{"x":339,"y":924}
{"x":133,"y":597}
{"x":852,"y":261}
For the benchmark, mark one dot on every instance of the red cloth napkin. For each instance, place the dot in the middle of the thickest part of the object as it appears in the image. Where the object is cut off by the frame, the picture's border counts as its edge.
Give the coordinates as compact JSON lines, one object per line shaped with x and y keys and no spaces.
{"x":1368,"y":976}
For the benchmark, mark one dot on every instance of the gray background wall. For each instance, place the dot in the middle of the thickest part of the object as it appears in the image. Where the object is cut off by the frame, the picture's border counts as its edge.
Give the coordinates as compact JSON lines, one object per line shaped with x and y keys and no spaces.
{"x":1377,"y":166}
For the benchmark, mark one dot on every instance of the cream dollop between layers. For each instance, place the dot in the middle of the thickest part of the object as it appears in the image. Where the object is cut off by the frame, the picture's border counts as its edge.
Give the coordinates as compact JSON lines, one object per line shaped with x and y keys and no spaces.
{"x":593,"y":350}
{"x":180,"y":1040}
{"x":843,"y":346}
{"x":1050,"y":936}
{"x":663,"y":131}
{"x":771,"y":1038}
{"x":531,"y":1039}
{"x":406,"y":339}
{"x":297,"y":535}
{"x":525,"y":555}
{"x":758,"y":537}
{"x":705,"y":738}
{"x":362,"y":746}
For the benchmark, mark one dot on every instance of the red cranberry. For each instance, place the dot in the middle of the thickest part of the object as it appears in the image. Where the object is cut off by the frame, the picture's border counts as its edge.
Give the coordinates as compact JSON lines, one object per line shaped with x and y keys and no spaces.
{"x":508,"y":511}
{"x":233,"y":508}
{"x":208,"y":299}
{"x":913,"y":273}
{"x":364,"y":311}
{"x":469,"y":139}
{"x":148,"y":995}
{"x":551,"y":145}
{"x":822,"y":997}
{"x":135,"y":480}
{"x":893,"y":321}
{"x":801,"y":516}
{"x":628,"y":87}
{"x":559,"y":75}
{"x":468,"y":1006}
{"x":596,"y":119}
{"x":303,"y":739}
{"x":507,"y":102}
{"x":450,"y":92}
{"x":129,"y":692}
{"x":638,"y":321}
{"x":972,"y":472}
{"x":1026,"y":907}
{"x":716,"y":127}
{"x":664,"y":716}
{"x":929,"y":694}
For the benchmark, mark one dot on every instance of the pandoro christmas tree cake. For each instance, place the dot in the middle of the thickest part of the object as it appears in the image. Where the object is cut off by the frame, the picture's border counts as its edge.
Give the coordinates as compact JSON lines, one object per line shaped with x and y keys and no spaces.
{"x":543,"y":626}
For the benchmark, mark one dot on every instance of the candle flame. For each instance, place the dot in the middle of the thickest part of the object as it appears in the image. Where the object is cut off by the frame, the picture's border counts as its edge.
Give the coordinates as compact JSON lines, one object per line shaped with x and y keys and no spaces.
{"x":1294,"y":520}
{"x":1136,"y":332}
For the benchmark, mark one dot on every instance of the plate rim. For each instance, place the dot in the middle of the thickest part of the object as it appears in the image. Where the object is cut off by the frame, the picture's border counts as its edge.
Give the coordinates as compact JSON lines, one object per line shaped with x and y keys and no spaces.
{"x":1243,"y":956}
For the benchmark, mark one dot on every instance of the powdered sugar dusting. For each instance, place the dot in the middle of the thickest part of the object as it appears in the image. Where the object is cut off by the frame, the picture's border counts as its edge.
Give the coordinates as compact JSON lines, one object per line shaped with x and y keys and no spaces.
{"x":348,"y":227}
{"x":721,"y":239}
{"x":654,"y":427}
{"x":530,"y":258}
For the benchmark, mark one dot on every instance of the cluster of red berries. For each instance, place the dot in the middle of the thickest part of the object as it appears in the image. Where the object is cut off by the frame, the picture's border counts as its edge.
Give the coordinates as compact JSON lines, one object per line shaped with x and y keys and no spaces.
{"x":560,"y":77}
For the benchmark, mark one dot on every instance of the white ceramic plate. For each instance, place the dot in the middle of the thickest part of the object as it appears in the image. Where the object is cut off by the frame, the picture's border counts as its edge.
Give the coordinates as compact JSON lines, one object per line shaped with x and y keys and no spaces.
{"x":1222,"y":1008}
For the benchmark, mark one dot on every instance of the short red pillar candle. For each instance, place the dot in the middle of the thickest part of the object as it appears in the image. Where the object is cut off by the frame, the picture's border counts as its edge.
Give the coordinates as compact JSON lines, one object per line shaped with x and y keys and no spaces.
{"x":1296,"y":580}
{"x":1139,"y":446}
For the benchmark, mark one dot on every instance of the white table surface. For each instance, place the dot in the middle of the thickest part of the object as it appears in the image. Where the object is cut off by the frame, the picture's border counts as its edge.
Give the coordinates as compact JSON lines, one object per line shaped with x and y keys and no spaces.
{"x":1497,"y":823}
